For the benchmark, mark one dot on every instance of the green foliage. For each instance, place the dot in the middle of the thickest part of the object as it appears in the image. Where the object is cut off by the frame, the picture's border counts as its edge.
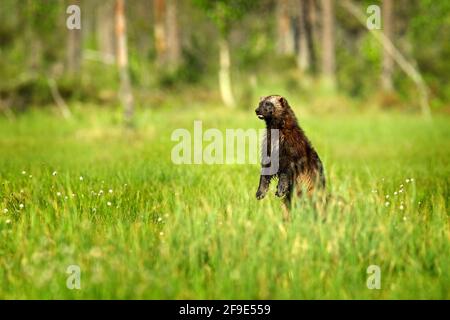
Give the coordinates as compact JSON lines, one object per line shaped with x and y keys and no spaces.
{"x":360,"y":77}
{"x":256,"y":50}
{"x":429,"y":33}
{"x":191,"y":70}
{"x":225,"y":12}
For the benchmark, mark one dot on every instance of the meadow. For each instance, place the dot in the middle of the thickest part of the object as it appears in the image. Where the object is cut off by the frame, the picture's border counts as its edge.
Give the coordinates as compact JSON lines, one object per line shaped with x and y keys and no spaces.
{"x":90,"y":193}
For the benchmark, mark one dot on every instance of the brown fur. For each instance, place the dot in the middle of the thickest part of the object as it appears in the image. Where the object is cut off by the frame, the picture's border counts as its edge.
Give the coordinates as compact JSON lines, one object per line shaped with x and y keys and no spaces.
{"x":300,"y":168}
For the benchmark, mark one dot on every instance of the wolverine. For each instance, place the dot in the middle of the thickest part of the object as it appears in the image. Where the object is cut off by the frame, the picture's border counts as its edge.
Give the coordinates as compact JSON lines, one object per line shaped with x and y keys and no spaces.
{"x":299,"y":167}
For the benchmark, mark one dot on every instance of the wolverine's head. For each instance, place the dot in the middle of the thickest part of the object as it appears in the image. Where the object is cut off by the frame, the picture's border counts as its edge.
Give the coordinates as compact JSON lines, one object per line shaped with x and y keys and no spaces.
{"x":271,"y":107}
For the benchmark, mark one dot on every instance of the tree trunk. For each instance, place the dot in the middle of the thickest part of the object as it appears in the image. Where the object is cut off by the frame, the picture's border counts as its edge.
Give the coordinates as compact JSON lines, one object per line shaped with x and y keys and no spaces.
{"x":35,"y":52}
{"x":224,"y":74}
{"x":173,"y":38}
{"x":125,"y":93}
{"x":160,"y":31}
{"x":388,"y":62}
{"x":74,"y":48}
{"x":315,"y":19}
{"x":285,"y":38}
{"x":105,"y":30}
{"x":167,"y":39}
{"x":32,"y":39}
{"x":59,"y":101}
{"x":304,"y":54}
{"x":328,"y":54}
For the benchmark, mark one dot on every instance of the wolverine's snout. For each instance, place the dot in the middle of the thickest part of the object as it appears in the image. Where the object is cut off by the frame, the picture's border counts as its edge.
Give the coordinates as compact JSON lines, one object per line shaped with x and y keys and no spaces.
{"x":258,"y":113}
{"x":264,"y":110}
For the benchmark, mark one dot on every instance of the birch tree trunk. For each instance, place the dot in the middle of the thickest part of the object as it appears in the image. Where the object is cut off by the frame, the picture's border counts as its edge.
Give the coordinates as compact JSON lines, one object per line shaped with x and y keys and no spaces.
{"x":285,"y":37}
{"x":224,"y":74}
{"x":328,"y":53}
{"x":105,"y":30}
{"x":173,"y":36}
{"x":126,"y":95}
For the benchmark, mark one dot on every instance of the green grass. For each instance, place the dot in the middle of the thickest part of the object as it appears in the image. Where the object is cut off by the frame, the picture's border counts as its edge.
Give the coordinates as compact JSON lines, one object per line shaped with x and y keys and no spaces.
{"x":198,"y":232}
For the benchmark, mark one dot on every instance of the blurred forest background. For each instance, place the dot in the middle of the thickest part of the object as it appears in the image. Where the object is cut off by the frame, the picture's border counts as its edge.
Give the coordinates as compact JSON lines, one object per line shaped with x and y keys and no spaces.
{"x":168,"y":53}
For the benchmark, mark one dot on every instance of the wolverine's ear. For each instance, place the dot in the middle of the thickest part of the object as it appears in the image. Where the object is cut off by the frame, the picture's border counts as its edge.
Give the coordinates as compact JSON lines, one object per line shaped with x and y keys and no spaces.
{"x":283,"y":101}
{"x":261,"y":98}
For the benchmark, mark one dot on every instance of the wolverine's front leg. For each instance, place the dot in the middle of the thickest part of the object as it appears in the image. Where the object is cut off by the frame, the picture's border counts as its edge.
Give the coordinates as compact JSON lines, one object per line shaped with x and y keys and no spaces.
{"x":264,"y":182}
{"x":283,"y":185}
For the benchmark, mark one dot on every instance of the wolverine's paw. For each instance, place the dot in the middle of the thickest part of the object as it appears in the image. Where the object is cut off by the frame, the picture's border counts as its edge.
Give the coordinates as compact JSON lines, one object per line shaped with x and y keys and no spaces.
{"x":260,"y":194}
{"x":280,"y":194}
{"x":281,"y":191}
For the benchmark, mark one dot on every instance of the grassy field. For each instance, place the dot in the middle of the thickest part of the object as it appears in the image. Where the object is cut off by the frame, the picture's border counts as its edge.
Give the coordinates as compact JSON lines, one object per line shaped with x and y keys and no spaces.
{"x":85,"y":192}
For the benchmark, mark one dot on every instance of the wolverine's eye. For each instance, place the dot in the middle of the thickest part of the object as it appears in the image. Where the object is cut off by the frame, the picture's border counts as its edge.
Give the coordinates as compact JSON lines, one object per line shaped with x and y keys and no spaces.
{"x":268,"y":104}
